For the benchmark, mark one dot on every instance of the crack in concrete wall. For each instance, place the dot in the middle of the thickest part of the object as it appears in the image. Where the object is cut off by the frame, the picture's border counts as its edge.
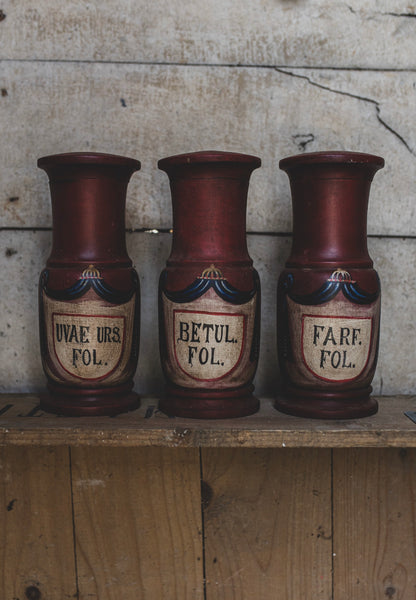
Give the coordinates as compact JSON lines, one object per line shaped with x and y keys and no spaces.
{"x":406,"y":15}
{"x":355,"y":97}
{"x":371,"y":15}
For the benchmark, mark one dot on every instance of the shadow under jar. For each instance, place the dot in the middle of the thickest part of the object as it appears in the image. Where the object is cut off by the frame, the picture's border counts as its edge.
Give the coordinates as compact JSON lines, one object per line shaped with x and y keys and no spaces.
{"x":328,"y":304}
{"x":89,"y":297}
{"x":209,"y":296}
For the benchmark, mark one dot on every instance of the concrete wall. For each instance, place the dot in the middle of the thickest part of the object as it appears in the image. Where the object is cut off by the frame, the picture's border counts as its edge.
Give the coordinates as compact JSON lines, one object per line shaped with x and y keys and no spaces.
{"x":147,"y":80}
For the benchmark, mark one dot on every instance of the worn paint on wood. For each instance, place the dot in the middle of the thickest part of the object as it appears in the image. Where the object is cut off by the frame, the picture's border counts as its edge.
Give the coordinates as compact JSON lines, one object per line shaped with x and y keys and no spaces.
{"x":137,"y":517}
{"x":374,"y":524}
{"x":22,"y":422}
{"x":232,"y":31}
{"x":148,"y":112}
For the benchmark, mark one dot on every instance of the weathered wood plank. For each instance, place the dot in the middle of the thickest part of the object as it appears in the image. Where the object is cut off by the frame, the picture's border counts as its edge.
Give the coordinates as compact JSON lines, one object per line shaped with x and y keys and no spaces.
{"x":231,"y":31}
{"x":37,"y":546}
{"x":374,"y":524}
{"x":267,"y":524}
{"x":149,"y":112}
{"x":138,"y":523}
{"x":26,"y":252}
{"x":148,"y":427}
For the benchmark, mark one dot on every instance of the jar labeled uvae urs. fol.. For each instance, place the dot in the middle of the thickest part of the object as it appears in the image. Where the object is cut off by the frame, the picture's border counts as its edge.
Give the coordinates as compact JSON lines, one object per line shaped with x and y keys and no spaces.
{"x":89,"y":297}
{"x":209,"y":297}
{"x":329,"y":294}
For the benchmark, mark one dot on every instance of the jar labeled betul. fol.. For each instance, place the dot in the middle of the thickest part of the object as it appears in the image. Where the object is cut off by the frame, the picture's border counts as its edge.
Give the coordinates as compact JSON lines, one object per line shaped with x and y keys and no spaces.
{"x":89,"y":297}
{"x":328,"y":316}
{"x":209,"y":296}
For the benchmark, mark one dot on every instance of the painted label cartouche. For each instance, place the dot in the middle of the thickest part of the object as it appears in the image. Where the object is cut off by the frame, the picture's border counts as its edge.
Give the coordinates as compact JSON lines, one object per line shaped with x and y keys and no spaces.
{"x":331,"y":334}
{"x":336,"y":348}
{"x":211,"y":332}
{"x":89,"y":330}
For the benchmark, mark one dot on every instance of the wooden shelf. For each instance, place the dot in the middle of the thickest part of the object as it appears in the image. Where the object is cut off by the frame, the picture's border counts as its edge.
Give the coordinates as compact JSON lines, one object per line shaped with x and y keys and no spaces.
{"x":23,"y":423}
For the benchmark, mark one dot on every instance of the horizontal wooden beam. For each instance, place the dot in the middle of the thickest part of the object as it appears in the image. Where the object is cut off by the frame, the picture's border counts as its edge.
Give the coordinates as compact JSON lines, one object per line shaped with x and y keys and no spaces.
{"x":22,"y":422}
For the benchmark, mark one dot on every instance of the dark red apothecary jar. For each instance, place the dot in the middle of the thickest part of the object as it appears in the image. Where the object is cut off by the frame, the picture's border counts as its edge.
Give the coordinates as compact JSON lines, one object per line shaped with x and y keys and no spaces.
{"x":329,"y":293}
{"x":89,"y":298}
{"x":209,"y":297}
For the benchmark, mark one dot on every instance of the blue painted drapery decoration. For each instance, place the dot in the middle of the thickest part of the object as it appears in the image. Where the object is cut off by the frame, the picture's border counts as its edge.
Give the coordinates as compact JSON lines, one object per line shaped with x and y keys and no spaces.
{"x":339,"y":281}
{"x":211,"y":278}
{"x":90,"y":278}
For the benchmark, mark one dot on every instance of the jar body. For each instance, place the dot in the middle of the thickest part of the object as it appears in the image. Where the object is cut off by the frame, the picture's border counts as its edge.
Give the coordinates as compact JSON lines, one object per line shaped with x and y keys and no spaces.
{"x":209,"y":293}
{"x":328,"y":304}
{"x":89,"y":296}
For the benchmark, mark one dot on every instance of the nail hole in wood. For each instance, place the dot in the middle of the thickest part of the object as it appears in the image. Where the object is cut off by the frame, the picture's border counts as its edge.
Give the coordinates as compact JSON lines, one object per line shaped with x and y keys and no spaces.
{"x":32,"y":593}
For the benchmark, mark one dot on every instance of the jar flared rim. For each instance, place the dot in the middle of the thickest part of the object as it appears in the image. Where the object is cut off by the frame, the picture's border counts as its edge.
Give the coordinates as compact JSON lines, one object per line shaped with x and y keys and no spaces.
{"x":88,"y":158}
{"x":332,"y":157}
{"x":209,"y":156}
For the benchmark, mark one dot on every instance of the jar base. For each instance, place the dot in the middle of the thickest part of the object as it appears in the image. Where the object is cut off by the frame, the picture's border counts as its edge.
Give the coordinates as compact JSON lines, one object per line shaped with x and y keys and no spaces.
{"x":89,"y":402}
{"x":349,"y":404}
{"x":209,"y":404}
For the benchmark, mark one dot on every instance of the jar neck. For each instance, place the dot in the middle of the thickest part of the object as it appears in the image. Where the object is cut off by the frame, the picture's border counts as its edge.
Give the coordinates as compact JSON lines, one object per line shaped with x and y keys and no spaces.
{"x":209,"y":214}
{"x":330,"y":215}
{"x":88,"y":212}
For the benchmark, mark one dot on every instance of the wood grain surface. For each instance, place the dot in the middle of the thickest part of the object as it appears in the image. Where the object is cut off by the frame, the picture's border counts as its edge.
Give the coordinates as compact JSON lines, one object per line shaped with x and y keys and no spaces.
{"x":137,"y":517}
{"x":23,"y":423}
{"x":219,"y":523}
{"x":37,"y":547}
{"x":267,"y":523}
{"x":374,"y":524}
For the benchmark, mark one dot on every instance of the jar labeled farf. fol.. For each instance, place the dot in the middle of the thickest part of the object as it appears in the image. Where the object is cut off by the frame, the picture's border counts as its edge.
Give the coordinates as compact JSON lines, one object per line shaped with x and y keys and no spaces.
{"x":328,"y":317}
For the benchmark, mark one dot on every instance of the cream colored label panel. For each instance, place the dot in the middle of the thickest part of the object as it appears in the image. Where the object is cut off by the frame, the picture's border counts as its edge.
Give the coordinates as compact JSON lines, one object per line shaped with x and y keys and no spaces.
{"x":88,"y":340}
{"x":208,"y":346}
{"x":209,"y":342}
{"x":336,"y":348}
{"x":88,"y":346}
